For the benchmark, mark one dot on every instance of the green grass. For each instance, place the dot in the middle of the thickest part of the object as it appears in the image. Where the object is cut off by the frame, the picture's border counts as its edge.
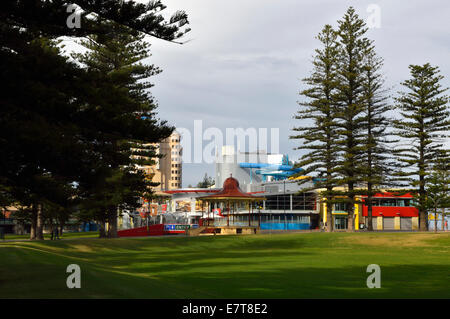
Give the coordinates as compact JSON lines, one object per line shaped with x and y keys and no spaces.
{"x":92,"y":234}
{"x":307,"y":265}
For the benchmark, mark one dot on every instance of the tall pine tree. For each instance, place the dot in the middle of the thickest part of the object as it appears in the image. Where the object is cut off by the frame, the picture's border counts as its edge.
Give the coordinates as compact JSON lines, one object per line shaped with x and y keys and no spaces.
{"x":48,"y":103}
{"x":438,"y":186}
{"x":319,"y":137}
{"x":423,"y":127}
{"x":124,"y":119}
{"x":350,"y":106}
{"x":377,"y":160}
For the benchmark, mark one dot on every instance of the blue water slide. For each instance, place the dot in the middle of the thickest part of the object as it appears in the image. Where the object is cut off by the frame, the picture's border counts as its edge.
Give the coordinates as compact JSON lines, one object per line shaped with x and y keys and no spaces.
{"x":274,"y":167}
{"x":274,"y":173}
{"x":278,"y":171}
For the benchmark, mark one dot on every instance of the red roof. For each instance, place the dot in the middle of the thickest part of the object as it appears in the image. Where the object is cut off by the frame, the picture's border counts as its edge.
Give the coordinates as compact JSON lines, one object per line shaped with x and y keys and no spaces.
{"x":392,"y":195}
{"x":231,"y":190}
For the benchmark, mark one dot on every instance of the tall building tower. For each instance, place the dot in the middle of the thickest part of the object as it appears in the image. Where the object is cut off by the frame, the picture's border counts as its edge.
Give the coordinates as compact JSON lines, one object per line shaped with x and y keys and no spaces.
{"x":176,"y":168}
{"x":167,"y":171}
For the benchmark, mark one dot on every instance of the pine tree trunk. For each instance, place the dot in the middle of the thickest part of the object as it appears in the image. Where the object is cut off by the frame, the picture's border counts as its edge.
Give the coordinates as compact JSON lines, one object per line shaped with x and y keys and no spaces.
{"x":61,"y":227}
{"x":350,"y":209}
{"x":350,"y":226}
{"x":423,"y":216}
{"x":102,"y":229}
{"x":435,"y":219}
{"x":423,"y":224}
{"x":369,"y":215}
{"x":39,"y":223}
{"x":443,"y":219}
{"x":112,"y":222}
{"x":33,"y":222}
{"x":330,"y":227}
{"x":369,"y":205}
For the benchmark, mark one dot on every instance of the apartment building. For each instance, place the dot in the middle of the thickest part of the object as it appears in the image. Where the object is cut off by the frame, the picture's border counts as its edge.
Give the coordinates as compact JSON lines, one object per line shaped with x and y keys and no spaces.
{"x":167,"y":171}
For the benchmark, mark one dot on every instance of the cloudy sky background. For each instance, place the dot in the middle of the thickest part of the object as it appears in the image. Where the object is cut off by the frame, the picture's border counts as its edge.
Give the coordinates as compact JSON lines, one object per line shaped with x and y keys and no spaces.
{"x":243,"y":64}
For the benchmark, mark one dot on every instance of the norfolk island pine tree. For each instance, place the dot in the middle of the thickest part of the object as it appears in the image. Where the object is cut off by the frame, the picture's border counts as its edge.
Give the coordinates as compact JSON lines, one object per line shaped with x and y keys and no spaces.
{"x":423,"y":126}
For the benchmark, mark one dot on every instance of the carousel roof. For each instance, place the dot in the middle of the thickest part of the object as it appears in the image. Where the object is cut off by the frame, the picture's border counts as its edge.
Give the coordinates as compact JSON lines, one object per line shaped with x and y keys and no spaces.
{"x":231,"y":190}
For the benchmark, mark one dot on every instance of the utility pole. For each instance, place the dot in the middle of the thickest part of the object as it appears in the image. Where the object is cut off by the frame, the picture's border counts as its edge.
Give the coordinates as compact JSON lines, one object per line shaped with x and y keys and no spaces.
{"x":284,"y":202}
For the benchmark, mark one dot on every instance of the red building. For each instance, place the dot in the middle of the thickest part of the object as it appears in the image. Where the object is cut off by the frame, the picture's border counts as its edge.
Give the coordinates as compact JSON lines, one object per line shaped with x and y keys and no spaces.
{"x":392,"y":211}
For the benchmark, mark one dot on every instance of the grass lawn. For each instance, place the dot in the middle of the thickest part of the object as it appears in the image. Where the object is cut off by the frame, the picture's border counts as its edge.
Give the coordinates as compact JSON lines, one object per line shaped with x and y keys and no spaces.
{"x":306,"y":265}
{"x":92,"y":234}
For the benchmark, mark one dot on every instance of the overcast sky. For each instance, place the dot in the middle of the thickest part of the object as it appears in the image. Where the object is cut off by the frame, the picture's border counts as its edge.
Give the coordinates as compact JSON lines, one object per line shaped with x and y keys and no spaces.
{"x":244,"y":61}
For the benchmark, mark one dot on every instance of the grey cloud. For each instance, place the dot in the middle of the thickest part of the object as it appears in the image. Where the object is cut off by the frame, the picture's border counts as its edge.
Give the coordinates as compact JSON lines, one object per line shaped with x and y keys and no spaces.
{"x":246,"y":58}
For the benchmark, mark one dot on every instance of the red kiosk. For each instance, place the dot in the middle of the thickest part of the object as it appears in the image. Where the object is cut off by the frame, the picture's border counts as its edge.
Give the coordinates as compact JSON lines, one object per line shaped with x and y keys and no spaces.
{"x":230,"y":197}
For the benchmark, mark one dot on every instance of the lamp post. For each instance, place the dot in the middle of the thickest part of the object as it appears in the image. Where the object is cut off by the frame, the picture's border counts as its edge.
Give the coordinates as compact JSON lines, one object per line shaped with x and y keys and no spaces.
{"x":284,"y":202}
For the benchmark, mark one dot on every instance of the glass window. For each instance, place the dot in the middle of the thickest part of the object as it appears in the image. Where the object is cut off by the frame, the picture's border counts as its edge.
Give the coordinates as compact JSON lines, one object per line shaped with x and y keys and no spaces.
{"x":304,"y":201}
{"x":403,"y":202}
{"x":400,"y":202}
{"x":389,"y":202}
{"x":278,"y":202}
{"x":375,"y":202}
{"x":340,"y":222}
{"x":341,"y":207}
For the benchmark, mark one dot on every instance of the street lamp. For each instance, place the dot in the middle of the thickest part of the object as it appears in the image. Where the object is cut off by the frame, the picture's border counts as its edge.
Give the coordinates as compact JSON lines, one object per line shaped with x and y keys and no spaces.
{"x":284,"y":202}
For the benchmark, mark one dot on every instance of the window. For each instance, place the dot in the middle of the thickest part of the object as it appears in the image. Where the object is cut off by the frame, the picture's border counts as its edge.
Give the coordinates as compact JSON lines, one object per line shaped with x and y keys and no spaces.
{"x":392,"y":202}
{"x":341,"y":207}
{"x":304,"y":201}
{"x":271,"y":202}
{"x":389,"y":202}
{"x":340,"y":222}
{"x":403,"y":202}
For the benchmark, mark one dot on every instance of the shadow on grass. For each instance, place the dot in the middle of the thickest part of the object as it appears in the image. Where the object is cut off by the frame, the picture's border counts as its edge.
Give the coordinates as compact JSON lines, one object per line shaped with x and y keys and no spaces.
{"x":47,"y":280}
{"x":226,"y":267}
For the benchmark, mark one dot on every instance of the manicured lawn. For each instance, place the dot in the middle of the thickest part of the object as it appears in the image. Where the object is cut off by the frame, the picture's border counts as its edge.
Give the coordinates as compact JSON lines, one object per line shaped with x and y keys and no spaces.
{"x":307,"y":265}
{"x":92,"y":234}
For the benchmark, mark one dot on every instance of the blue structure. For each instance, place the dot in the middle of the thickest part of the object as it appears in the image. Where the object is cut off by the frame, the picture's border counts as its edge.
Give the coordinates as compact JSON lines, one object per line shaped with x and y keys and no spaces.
{"x":89,"y":226}
{"x":277,"y":171}
{"x":285,"y":226}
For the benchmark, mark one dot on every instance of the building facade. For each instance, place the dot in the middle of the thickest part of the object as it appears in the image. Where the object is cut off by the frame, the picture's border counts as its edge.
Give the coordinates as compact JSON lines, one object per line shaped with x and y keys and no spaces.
{"x":390,"y":211}
{"x":168,"y":170}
